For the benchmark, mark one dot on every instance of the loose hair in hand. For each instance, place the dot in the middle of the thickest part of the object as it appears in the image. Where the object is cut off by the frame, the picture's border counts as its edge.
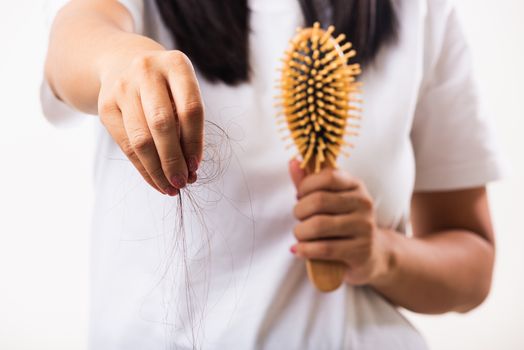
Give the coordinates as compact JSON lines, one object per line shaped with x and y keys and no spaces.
{"x":215,"y":34}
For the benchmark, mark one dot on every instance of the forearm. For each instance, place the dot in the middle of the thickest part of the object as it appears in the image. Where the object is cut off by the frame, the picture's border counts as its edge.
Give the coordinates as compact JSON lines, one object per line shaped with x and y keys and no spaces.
{"x":445,"y":271}
{"x":88,"y":39}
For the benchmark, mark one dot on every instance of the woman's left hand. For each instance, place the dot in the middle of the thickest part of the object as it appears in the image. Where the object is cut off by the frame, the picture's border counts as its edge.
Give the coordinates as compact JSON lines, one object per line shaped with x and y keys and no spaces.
{"x":337,"y":222}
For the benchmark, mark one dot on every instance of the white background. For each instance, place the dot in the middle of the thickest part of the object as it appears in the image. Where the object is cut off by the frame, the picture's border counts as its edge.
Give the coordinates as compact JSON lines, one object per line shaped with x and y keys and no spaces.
{"x":46,"y":194}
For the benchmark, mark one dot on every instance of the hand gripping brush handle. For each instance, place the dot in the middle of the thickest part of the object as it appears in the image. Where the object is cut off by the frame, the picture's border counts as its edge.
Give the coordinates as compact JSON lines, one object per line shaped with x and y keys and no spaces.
{"x":318,"y":100}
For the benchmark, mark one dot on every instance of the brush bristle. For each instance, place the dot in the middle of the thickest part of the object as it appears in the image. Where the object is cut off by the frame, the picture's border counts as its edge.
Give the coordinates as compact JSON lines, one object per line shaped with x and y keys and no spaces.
{"x":318,"y":89}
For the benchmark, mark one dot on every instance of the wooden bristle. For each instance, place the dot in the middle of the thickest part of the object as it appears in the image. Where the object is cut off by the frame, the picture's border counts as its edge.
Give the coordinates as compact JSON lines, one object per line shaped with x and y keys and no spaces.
{"x":318,"y":94}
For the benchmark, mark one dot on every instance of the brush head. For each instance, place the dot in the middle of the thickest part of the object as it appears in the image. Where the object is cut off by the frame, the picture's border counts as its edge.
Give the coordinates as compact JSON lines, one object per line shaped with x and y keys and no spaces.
{"x":318,"y":95}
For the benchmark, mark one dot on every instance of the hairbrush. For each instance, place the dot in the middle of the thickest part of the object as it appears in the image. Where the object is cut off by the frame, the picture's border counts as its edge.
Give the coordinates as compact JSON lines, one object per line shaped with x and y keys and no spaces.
{"x":318,"y":98}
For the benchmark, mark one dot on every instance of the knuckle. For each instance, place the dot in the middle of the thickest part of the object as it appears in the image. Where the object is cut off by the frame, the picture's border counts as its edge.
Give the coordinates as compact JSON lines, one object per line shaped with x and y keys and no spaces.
{"x":193,"y":148}
{"x":173,"y":161}
{"x":325,"y":249}
{"x":367,"y":226}
{"x":141,"y":141}
{"x":317,"y":225}
{"x":105,"y":118}
{"x":127,"y":149}
{"x":367,"y":248}
{"x":366,"y":202}
{"x":296,"y":211}
{"x":161,"y":120}
{"x":331,"y":177}
{"x":297,"y":232}
{"x":195,"y":144}
{"x":370,"y":243}
{"x":358,"y":182}
{"x":158,"y":175}
{"x":193,"y":109}
{"x":143,"y":63}
{"x":121,"y":86}
{"x":340,"y":223}
{"x":318,"y":201}
{"x":106,"y":108}
{"x":177,"y":57}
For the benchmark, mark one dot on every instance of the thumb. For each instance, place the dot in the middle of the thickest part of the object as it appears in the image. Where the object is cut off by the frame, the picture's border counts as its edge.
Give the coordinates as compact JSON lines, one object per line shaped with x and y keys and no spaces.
{"x":297,"y":173}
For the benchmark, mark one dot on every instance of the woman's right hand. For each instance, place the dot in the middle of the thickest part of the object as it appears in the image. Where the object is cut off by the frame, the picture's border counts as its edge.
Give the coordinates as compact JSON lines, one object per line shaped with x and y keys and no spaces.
{"x":152,"y":107}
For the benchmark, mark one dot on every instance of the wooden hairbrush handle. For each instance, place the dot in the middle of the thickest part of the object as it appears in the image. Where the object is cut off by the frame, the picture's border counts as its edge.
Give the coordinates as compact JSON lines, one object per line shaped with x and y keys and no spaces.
{"x":325,"y":275}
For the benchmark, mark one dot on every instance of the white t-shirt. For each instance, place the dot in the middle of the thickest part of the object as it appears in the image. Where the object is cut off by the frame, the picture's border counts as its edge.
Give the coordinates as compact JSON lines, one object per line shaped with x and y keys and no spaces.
{"x":228,"y":280}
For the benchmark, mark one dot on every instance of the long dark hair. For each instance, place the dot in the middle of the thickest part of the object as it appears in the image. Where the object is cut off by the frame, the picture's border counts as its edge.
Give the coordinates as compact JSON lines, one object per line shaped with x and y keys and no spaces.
{"x":214,"y":34}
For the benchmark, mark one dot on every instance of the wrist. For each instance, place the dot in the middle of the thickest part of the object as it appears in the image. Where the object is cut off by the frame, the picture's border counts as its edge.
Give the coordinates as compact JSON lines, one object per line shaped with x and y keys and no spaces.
{"x":388,"y":258}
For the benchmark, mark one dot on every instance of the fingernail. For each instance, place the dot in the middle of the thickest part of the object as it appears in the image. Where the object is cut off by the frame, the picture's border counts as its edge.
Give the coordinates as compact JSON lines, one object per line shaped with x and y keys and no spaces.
{"x":293,"y":249}
{"x":192,"y":177}
{"x":171,"y":191}
{"x":192,"y":163}
{"x":179,"y":181}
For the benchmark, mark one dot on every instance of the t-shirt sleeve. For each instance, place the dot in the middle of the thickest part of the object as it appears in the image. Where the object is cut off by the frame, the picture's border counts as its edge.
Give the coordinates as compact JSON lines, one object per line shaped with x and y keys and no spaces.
{"x":453,"y":140}
{"x":56,"y":111}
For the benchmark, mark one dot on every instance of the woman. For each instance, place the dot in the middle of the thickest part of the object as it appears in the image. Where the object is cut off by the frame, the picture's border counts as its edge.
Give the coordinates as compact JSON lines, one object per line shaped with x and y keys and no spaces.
{"x":157,"y":72}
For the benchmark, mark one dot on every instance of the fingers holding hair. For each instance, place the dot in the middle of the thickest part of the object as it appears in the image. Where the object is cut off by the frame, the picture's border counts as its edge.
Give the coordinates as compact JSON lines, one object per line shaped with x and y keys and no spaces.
{"x":142,"y":141}
{"x":155,"y":113}
{"x":189,"y":108}
{"x":111,"y":118}
{"x":163,"y":125}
